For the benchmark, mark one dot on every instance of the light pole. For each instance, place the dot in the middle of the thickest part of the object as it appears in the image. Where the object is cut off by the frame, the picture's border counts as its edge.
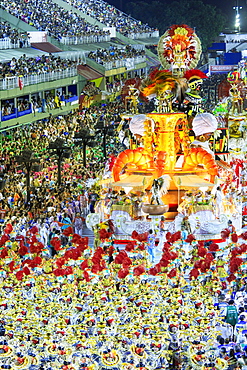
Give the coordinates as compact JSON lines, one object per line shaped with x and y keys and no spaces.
{"x":26,"y":157}
{"x":106,"y":130}
{"x":84,"y":138}
{"x":237,"y":19}
{"x":61,"y":151}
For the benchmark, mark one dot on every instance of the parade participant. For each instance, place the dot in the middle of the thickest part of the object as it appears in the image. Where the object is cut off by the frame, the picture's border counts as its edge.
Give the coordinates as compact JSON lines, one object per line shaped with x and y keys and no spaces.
{"x":231,"y":227}
{"x":162,"y":232}
{"x":151,"y":245}
{"x":231,"y":315}
{"x":219,"y":201}
{"x":192,"y":102}
{"x":203,"y":125}
{"x":78,"y":224}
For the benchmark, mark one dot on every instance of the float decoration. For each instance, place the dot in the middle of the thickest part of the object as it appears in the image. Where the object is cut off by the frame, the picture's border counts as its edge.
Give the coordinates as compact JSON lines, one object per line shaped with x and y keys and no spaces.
{"x":193,"y":100}
{"x":179,"y":49}
{"x":166,"y":88}
{"x":199,"y":156}
{"x":159,"y":188}
{"x":130,"y":94}
{"x":149,"y":158}
{"x":163,"y":145}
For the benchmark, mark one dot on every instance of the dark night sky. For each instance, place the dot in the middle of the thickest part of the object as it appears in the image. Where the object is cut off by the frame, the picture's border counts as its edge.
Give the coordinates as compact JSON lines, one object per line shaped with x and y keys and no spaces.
{"x":225,"y":5}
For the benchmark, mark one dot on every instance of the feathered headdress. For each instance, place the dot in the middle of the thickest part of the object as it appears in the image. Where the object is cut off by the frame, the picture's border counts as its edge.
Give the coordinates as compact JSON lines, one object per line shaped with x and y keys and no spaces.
{"x":194,"y":74}
{"x":161,"y":81}
{"x":179,"y":46}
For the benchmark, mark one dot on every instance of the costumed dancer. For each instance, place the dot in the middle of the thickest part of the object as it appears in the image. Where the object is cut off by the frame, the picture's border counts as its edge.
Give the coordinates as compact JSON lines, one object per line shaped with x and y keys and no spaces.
{"x":203,"y":125}
{"x":162,"y":232}
{"x":151,"y":245}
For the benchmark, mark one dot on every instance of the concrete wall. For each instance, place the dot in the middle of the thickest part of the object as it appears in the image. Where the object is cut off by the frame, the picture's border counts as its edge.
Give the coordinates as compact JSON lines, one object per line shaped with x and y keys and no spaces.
{"x":30,"y":89}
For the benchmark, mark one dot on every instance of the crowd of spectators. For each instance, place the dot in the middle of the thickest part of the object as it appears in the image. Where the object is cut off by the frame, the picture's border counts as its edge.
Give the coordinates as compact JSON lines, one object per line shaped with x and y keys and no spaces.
{"x":90,"y":89}
{"x":114,"y":53}
{"x":17,"y":38}
{"x":7,"y":108}
{"x":36,"y":137}
{"x":111,"y":16}
{"x":152,"y":48}
{"x":22,"y":104}
{"x":36,"y":104}
{"x":25,"y":66}
{"x":51,"y":18}
{"x":50,"y":101}
{"x":115,"y":85}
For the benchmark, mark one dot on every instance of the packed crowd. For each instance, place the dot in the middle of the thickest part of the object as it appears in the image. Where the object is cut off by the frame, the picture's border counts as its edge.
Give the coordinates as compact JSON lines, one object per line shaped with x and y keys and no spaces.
{"x":90,"y":89}
{"x":115,"y":85}
{"x":51,"y":101}
{"x":103,"y":56}
{"x":23,"y":104}
{"x":25,"y":66}
{"x":37,"y":137}
{"x":17,"y":38}
{"x":111,"y":16}
{"x":49,"y":17}
{"x":7,"y":108}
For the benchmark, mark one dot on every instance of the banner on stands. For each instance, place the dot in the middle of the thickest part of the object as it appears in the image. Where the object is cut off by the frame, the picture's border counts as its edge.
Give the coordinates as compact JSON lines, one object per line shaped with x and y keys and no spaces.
{"x":221,"y":68}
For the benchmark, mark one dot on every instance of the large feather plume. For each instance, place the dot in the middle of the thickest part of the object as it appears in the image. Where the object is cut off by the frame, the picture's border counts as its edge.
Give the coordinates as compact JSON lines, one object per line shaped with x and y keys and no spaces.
{"x":160,"y":81}
{"x":165,"y":184}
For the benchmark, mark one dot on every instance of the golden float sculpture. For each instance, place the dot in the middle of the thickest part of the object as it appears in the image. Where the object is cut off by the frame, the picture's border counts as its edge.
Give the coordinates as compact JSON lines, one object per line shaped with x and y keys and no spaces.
{"x":164,"y":146}
{"x":158,"y":156}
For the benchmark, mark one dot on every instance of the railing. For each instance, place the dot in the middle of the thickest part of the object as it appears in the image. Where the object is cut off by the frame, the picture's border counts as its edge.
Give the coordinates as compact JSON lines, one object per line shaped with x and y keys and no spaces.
{"x":74,"y":56}
{"x":9,"y":83}
{"x":73,"y":40}
{"x":138,"y":47}
{"x":129,"y":63}
{"x":7,"y":44}
{"x":142,"y":35}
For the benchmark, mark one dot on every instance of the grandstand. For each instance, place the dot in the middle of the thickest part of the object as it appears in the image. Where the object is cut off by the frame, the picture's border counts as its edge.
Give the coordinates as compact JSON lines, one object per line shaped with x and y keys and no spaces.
{"x":51,"y":49}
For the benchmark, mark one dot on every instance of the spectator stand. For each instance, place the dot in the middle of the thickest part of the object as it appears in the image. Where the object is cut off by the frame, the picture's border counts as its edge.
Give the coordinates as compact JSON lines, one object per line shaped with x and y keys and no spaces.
{"x":34,"y":70}
{"x":116,"y":57}
{"x":62,"y":25}
{"x":109,"y":16}
{"x":11,"y":38}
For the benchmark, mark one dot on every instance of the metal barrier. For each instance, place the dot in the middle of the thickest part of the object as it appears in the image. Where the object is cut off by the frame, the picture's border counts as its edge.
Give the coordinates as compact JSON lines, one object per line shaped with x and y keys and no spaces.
{"x":7,"y":44}
{"x":75,"y":56}
{"x":9,"y":83}
{"x":128,"y":63}
{"x":75,"y":40}
{"x":142,"y":35}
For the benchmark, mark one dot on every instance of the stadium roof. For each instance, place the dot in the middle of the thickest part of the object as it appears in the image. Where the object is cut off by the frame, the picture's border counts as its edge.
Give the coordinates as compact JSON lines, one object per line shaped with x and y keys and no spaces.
{"x":8,"y":54}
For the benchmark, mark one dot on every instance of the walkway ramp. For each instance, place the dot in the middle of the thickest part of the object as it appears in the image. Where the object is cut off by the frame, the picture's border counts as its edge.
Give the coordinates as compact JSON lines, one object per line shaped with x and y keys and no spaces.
{"x":45,"y":46}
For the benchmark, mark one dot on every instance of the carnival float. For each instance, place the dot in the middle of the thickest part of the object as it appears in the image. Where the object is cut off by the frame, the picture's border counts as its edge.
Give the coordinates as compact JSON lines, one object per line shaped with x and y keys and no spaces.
{"x":169,"y":168}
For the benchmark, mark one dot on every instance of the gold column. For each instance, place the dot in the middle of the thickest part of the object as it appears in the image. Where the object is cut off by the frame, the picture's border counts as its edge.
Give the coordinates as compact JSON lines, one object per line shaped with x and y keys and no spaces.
{"x":165,"y":124}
